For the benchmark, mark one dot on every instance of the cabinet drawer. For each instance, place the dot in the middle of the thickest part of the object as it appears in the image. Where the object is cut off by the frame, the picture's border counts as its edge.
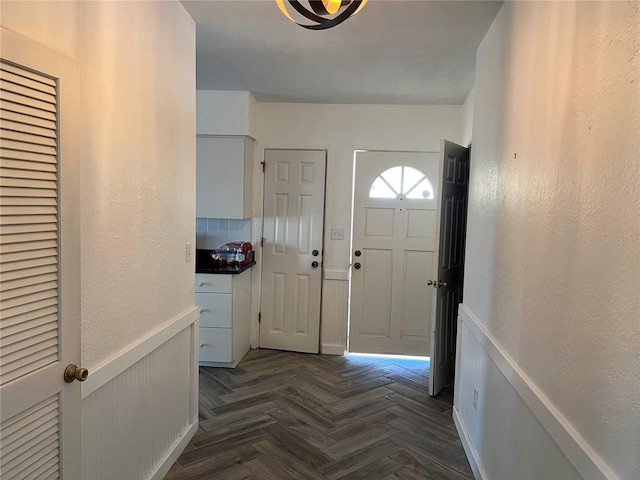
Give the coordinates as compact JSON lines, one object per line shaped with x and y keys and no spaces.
{"x":206,"y":282}
{"x":215,"y":309}
{"x":215,"y":345}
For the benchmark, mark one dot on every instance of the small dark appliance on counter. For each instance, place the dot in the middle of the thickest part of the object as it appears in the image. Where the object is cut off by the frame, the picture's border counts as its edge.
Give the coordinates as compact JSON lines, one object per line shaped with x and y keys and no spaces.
{"x":230,"y":257}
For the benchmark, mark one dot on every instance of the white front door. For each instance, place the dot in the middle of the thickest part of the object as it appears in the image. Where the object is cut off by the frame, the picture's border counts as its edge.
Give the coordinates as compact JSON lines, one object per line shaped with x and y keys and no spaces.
{"x":292,"y":251}
{"x":449,"y":266}
{"x":39,"y":262}
{"x":394,"y":218}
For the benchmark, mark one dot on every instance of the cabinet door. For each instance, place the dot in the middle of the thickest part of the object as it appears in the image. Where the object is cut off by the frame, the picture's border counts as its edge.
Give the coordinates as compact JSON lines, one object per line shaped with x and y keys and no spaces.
{"x":207,"y":282}
{"x":215,"y":345}
{"x":215,"y":309}
{"x":221,"y":177}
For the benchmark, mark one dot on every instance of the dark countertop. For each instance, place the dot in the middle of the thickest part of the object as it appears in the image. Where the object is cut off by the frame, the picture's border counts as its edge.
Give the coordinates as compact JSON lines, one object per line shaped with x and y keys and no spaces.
{"x":226,"y":270}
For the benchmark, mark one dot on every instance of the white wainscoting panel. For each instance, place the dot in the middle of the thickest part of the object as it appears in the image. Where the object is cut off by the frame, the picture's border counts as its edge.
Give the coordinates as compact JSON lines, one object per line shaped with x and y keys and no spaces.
{"x":113,"y":366}
{"x":512,"y":432}
{"x":134,"y":425}
{"x":335,"y":310}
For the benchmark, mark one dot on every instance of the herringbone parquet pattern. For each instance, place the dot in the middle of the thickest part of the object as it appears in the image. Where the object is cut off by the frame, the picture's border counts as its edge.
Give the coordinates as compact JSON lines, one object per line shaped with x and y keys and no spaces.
{"x":291,"y":416}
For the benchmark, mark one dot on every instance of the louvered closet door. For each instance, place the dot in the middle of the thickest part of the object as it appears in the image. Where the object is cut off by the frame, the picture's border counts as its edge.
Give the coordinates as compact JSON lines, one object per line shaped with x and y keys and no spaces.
{"x":31,"y":361}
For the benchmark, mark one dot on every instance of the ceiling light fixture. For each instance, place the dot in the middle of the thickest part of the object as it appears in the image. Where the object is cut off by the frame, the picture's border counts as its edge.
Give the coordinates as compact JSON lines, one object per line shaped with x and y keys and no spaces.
{"x":324,"y":13}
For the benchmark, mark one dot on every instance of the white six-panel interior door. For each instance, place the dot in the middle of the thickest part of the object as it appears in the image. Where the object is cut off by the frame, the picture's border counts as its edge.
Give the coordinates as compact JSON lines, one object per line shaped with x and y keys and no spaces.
{"x":392,"y":258}
{"x":292,"y":251}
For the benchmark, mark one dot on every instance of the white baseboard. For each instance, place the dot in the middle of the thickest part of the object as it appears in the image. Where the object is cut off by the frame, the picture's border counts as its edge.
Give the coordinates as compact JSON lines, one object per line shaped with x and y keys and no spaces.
{"x":333,"y":349}
{"x":474,"y":460}
{"x":116,"y":364}
{"x":581,"y":455}
{"x":173,"y":454}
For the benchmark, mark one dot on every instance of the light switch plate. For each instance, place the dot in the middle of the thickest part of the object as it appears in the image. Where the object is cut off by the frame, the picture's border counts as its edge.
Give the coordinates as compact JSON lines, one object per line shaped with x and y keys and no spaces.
{"x":337,"y":234}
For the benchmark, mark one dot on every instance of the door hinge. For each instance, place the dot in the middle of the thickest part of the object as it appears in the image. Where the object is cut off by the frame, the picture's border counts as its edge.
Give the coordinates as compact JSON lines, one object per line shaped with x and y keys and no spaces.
{"x":262,"y":241}
{"x":264,"y":164}
{"x":259,"y":317}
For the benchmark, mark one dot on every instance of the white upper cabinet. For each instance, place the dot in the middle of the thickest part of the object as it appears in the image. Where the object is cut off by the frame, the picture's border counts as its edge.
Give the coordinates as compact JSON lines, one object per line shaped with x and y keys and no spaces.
{"x":224,"y":172}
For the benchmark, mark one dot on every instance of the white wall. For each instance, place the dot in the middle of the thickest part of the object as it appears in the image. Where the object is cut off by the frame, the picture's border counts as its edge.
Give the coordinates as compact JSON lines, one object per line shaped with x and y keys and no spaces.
{"x":138,"y":174}
{"x":552,"y":265}
{"x":54,"y":24}
{"x":467,"y":118}
{"x":341,"y":129}
{"x":136,"y":63}
{"x":225,"y":112}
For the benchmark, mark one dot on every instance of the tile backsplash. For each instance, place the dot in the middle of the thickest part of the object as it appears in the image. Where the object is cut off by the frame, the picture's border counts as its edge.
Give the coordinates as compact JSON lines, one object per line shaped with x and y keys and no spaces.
{"x":214,"y":232}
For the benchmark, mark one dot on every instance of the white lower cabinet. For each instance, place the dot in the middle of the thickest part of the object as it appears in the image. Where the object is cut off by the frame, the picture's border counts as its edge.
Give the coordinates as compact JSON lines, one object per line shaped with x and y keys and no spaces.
{"x":225,"y":314}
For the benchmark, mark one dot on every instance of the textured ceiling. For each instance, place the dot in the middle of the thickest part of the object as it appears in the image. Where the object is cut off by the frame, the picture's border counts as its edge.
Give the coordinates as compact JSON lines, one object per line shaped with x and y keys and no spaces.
{"x":393,"y":52}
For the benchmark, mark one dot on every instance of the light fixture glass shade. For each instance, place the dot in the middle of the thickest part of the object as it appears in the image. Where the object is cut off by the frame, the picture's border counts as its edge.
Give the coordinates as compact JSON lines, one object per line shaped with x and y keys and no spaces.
{"x":332,"y":6}
{"x":323,"y":13}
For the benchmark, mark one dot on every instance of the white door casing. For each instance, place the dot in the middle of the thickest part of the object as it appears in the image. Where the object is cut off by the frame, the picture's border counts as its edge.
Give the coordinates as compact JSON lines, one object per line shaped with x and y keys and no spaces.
{"x":394,"y":243}
{"x":292,"y":251}
{"x":40,"y":264}
{"x":449,"y":266}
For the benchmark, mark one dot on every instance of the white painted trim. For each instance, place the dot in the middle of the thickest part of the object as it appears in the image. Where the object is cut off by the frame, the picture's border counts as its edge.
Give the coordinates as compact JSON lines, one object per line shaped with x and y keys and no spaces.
{"x":342,"y":275}
{"x":194,"y":390}
{"x":136,"y":351}
{"x":233,"y":364}
{"x":581,"y":455}
{"x":170,"y":458}
{"x":474,"y":460}
{"x":327,"y":349}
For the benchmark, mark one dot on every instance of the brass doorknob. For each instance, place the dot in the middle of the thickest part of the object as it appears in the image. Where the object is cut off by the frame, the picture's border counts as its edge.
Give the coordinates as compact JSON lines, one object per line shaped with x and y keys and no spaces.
{"x":441,"y":284}
{"x":430,"y":282}
{"x":73,"y":372}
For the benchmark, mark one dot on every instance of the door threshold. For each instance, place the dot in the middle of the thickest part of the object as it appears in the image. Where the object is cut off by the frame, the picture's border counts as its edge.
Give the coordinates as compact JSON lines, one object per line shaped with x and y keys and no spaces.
{"x":387,"y":355}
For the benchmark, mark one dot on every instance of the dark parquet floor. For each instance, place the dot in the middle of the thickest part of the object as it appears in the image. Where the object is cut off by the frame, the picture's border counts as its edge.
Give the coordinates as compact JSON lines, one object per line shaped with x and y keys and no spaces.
{"x":291,"y":416}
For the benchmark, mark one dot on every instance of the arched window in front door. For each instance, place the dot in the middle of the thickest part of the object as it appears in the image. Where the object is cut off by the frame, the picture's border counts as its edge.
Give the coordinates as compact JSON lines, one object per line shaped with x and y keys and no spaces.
{"x":402,"y":181}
